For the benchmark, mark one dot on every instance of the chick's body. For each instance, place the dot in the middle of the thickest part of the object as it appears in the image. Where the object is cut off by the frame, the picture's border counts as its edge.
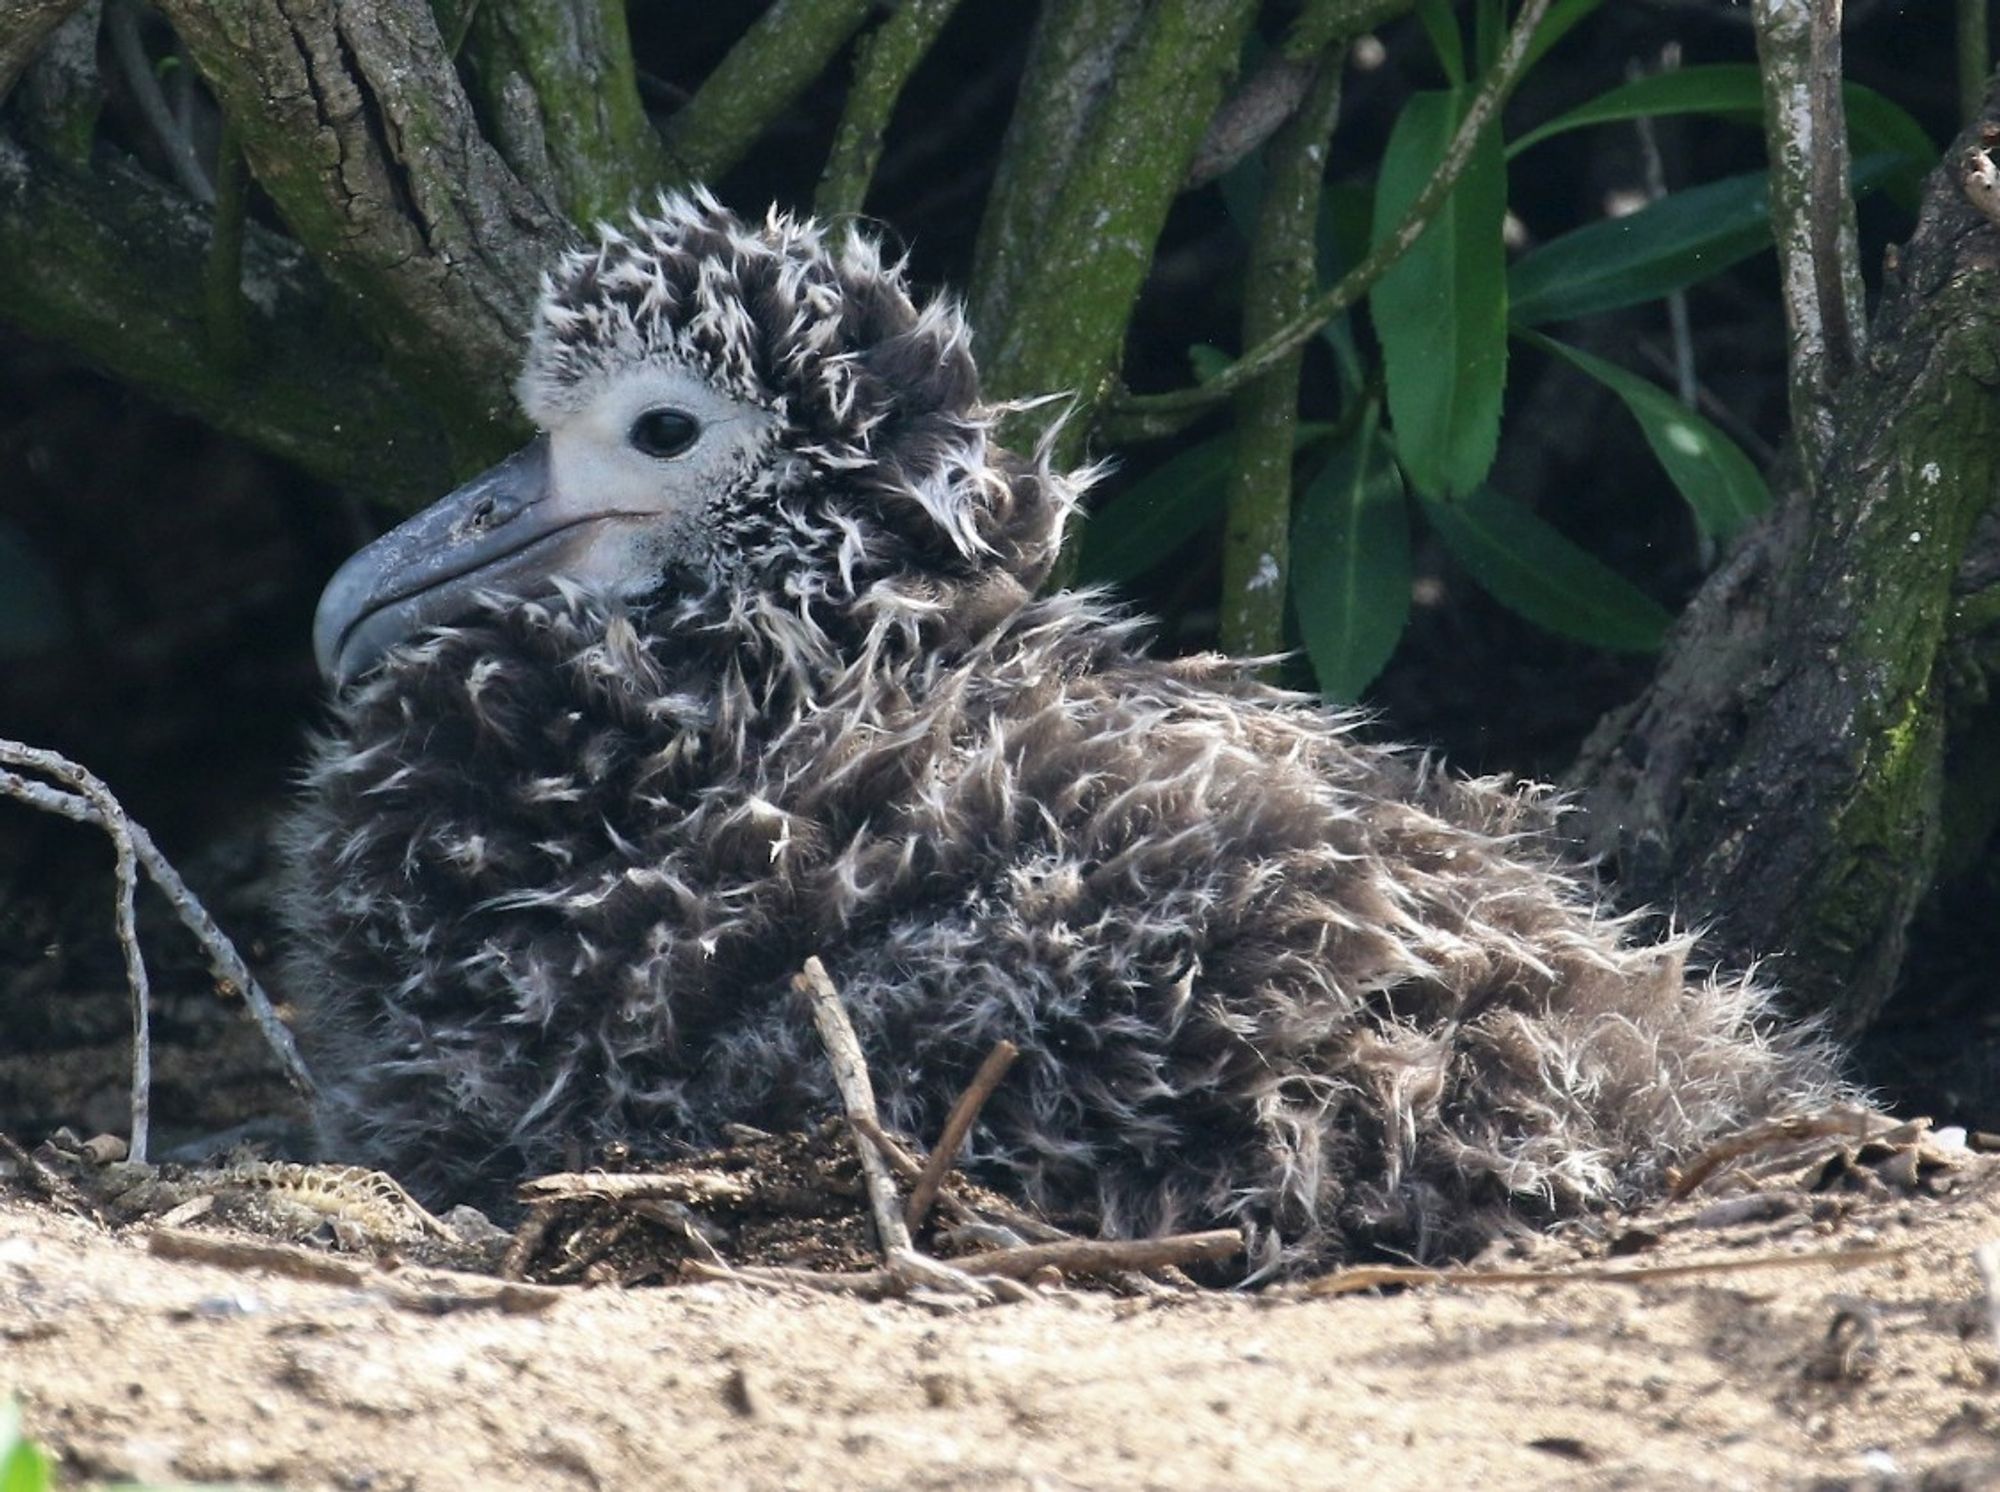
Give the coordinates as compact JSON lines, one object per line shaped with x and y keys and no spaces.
{"x":559,"y":859}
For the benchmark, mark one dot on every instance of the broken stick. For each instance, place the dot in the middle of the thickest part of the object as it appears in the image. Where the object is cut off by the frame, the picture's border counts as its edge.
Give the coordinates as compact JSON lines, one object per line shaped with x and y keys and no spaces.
{"x":857,"y":1095}
{"x":957,"y":1125}
{"x":92,"y":803}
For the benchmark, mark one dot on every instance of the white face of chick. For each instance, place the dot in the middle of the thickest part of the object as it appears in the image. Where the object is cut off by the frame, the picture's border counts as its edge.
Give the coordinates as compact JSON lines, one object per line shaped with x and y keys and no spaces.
{"x":634,"y":473}
{"x":645,"y":466}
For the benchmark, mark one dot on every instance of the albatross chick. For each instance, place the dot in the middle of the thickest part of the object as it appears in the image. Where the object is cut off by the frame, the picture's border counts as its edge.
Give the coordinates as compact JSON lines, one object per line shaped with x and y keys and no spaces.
{"x":743,"y":660}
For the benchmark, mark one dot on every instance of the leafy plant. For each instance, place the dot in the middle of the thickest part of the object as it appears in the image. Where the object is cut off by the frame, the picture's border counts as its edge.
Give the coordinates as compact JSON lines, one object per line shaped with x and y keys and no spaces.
{"x":1443,"y":316}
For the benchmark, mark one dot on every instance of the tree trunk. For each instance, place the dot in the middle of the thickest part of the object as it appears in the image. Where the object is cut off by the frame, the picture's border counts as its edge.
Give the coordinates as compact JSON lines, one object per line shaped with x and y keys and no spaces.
{"x":1781,"y":779}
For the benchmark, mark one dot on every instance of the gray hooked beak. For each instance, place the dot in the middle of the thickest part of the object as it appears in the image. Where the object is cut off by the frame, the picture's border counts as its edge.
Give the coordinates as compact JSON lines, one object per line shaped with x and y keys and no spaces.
{"x":500,"y":525}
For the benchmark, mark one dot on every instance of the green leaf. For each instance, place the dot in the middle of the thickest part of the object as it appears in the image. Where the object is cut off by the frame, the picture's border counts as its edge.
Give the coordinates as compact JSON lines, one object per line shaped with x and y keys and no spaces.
{"x":1164,"y":509}
{"x":1665,"y":246}
{"x":1157,"y":514}
{"x":1732,"y":90}
{"x":1489,"y":24}
{"x":1207,"y":361}
{"x":1668,"y":245}
{"x":1441,"y":310}
{"x":1442,"y":28}
{"x":1342,"y":240}
{"x":1351,"y":563}
{"x":1722,"y":486}
{"x":1531,"y":569}
{"x":23,"y":1467}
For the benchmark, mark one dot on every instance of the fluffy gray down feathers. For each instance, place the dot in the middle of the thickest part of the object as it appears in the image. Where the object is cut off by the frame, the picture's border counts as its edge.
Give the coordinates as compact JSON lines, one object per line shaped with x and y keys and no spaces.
{"x":556,"y":864}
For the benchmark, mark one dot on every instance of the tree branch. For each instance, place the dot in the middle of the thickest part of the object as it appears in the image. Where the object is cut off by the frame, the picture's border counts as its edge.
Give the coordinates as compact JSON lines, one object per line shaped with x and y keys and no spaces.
{"x":121,"y":24}
{"x":1781,"y":779}
{"x":1975,"y":62}
{"x":228,"y":340}
{"x":1133,"y":416}
{"x":1071,"y":58}
{"x":28,"y":24}
{"x":1249,"y":117}
{"x":112,"y":266}
{"x":1812,"y":209}
{"x":562,"y":69}
{"x":61,"y":93}
{"x":1279,"y":284}
{"x":354,"y":124}
{"x":886,"y":60}
{"x":1066,"y":326}
{"x":787,"y":46}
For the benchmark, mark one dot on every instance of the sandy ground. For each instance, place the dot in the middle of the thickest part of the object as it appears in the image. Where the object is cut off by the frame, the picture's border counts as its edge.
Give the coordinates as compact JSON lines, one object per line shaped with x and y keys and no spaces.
{"x":132,"y":1365}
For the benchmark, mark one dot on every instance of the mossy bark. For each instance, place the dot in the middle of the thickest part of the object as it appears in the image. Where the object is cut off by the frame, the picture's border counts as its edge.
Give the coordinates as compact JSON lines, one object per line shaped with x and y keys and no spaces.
{"x":1280,"y":283}
{"x":60,"y":94}
{"x":787,"y":46}
{"x":1063,"y":326}
{"x":26,"y":27}
{"x":884,"y":64}
{"x":556,"y":84}
{"x":1072,"y":55}
{"x":353,"y":123}
{"x":113,"y":266}
{"x":1781,"y":779}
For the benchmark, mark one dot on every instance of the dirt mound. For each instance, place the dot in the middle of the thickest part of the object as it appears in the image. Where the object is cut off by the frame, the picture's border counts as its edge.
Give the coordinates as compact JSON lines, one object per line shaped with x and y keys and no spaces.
{"x":1775,"y":1338}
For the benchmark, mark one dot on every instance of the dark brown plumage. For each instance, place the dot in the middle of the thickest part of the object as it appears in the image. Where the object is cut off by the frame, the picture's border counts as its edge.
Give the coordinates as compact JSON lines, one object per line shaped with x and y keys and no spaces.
{"x":784,"y":689}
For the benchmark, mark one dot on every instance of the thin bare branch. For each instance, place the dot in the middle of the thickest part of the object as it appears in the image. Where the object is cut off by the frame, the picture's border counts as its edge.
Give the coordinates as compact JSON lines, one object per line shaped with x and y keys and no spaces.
{"x":121,"y":24}
{"x":785,"y":48}
{"x":1812,"y":209}
{"x":93,"y":804}
{"x":1107,"y":1255}
{"x":1130,"y":417}
{"x":705,"y":1188}
{"x":90,"y":791}
{"x":957,"y":1125}
{"x":857,"y":1092}
{"x":887,"y":58}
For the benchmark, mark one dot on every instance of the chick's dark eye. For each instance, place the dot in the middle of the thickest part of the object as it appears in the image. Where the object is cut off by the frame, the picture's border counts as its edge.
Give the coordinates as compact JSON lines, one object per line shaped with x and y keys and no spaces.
{"x":664,"y":432}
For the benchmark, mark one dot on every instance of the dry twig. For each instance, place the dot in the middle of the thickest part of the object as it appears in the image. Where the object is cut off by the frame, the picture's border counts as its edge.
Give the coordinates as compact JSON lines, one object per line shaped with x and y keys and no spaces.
{"x":703,"y":1188}
{"x":857,"y":1095}
{"x":1375,"y":1276}
{"x":1053,"y":1248}
{"x":1096,"y":1256}
{"x":93,"y":803}
{"x":93,"y":794}
{"x":433,"y":1292}
{"x":1851,"y":1123}
{"x":870,"y":1284}
{"x":957,"y":1125}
